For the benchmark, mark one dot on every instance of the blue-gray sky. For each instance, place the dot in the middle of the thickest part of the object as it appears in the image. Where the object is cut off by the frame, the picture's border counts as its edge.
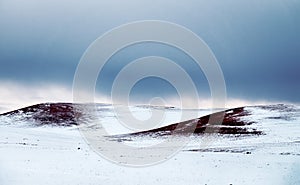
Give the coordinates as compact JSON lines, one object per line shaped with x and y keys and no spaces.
{"x":257,"y":43}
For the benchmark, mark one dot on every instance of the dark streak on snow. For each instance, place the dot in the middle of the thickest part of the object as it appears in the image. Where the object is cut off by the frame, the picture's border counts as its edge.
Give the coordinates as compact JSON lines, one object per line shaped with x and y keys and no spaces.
{"x":231,"y":124}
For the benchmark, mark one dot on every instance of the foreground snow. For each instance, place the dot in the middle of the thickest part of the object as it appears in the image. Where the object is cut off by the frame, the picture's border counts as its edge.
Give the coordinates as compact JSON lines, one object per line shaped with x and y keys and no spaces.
{"x":59,"y":155}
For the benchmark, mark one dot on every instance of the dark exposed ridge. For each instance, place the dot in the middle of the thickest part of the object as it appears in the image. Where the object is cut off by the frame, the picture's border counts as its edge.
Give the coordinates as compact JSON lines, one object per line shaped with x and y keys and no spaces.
{"x":56,"y":114}
{"x":231,"y":124}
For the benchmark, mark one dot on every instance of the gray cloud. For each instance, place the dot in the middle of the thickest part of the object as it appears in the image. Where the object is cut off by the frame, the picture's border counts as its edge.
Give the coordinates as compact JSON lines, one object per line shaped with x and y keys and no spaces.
{"x":256,"y":43}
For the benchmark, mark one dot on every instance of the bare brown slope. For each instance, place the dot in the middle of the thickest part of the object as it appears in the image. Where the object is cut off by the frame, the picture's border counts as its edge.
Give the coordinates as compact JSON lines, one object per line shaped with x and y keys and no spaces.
{"x":232,"y":124}
{"x":56,"y":114}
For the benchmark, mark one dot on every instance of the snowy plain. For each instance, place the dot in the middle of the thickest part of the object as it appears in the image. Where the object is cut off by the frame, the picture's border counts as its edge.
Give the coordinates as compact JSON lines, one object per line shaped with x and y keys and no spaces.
{"x":34,"y":155}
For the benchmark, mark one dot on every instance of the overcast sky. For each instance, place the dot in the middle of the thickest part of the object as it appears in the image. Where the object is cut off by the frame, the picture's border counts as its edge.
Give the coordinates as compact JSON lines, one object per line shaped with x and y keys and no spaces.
{"x":257,"y":44}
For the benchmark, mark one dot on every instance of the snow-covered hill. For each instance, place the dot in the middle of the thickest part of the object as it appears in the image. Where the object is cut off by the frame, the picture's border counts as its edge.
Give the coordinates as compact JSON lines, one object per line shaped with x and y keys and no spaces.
{"x":253,"y":145}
